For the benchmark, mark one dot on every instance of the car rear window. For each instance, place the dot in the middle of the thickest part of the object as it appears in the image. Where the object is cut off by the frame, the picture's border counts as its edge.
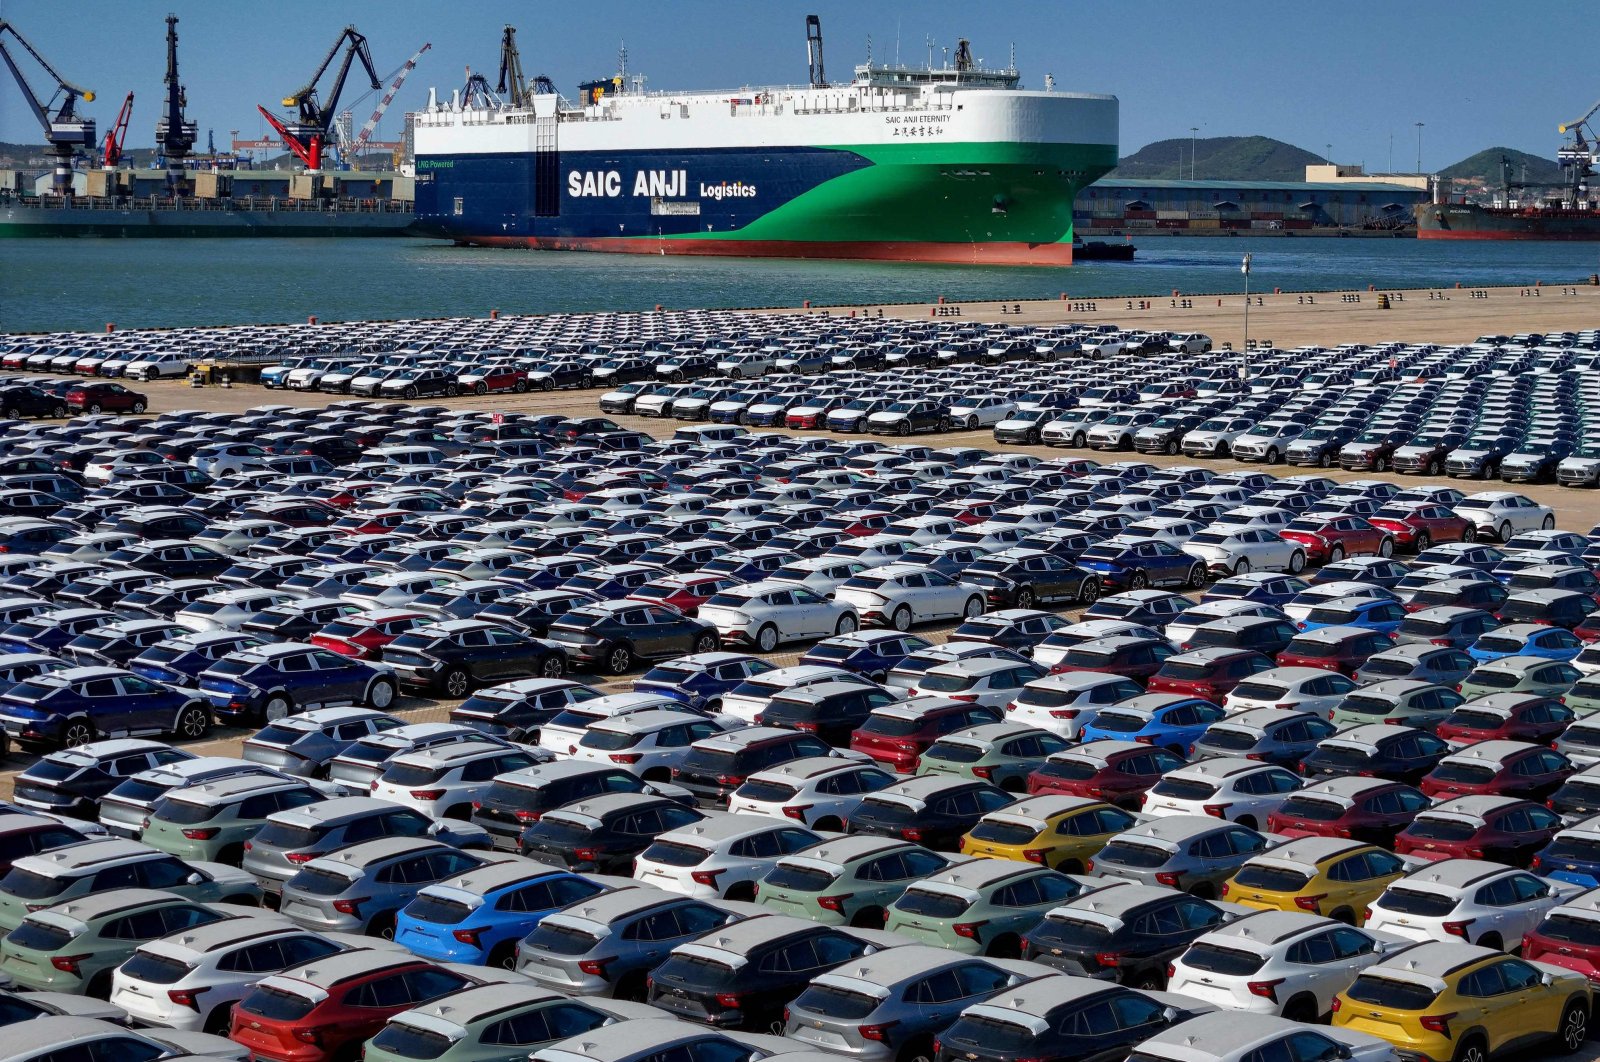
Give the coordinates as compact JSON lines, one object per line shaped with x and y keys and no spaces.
{"x":1402,"y":900}
{"x":1475,"y":718}
{"x":1570,"y":928}
{"x":412,"y":773}
{"x":1129,"y":854}
{"x":1186,"y":669}
{"x":278,"y":735}
{"x":1311,"y":808}
{"x":1004,"y":832}
{"x":890,"y":725}
{"x":1465,"y":773}
{"x":1273,"y":879}
{"x":39,"y":937}
{"x":439,"y":910}
{"x":1573,"y":850}
{"x":155,"y":969}
{"x":314,"y":881}
{"x":931,"y":904}
{"x":675,"y":854}
{"x":1073,"y":932}
{"x":799,"y":878}
{"x":1226,"y":738}
{"x":954,"y":752}
{"x":1230,"y":962}
{"x":711,"y":761}
{"x":993,"y":1035}
{"x":184,"y":813}
{"x":561,"y":940}
{"x":26,"y":885}
{"x":288,"y":836}
{"x":276,"y":1004}
{"x":409,"y":1041}
{"x":1439,"y":828}
{"x":1394,"y":995}
{"x":769,"y":791}
{"x":1494,"y":679}
{"x":833,"y":1002}
{"x":1184,"y":788}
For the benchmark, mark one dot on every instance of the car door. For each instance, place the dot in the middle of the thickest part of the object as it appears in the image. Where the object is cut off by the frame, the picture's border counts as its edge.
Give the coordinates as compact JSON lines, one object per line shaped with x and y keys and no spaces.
{"x":148,"y":707}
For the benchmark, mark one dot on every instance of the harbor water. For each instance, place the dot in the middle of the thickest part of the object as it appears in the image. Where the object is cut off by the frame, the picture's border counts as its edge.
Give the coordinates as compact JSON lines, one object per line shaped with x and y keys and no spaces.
{"x":81,"y":284}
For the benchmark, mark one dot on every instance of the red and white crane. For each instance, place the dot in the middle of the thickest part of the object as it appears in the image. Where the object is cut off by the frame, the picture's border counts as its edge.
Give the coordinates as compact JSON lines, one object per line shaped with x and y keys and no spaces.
{"x":383,"y":105}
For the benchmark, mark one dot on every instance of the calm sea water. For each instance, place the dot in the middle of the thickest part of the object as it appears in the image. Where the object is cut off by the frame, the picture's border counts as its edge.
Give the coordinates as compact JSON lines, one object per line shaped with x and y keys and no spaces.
{"x":59,"y":284}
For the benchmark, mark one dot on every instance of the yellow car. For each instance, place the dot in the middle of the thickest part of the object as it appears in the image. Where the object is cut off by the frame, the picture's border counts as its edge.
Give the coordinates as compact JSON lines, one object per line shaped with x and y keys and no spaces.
{"x":1061,"y":832}
{"x":1329,"y":876}
{"x":1458,"y":1002}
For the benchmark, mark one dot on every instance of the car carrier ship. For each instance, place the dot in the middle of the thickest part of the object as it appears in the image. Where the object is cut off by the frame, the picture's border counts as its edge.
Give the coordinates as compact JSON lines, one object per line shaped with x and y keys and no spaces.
{"x":953,"y":164}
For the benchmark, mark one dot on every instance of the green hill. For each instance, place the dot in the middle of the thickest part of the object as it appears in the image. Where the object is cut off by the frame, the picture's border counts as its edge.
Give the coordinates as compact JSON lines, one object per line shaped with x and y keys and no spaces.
{"x":1485,"y":166}
{"x":1219,"y":158}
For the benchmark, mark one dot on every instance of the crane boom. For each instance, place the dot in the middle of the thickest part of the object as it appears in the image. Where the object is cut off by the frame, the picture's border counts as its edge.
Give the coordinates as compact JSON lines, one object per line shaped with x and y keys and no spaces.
{"x":308,"y":132}
{"x":116,"y":136}
{"x":1578,"y":125}
{"x":65,"y":131}
{"x":383,"y":104}
{"x":511,"y":84}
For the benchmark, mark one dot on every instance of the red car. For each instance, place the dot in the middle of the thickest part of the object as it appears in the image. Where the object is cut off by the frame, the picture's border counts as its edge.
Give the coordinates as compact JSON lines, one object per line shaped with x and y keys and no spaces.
{"x":684,"y":593}
{"x":1589,"y":629}
{"x":1363,"y":809}
{"x":1210,"y":673}
{"x":375,"y":522}
{"x":325,"y":1010}
{"x":347,"y":493}
{"x":1498,"y":768}
{"x":105,"y":398}
{"x":1498,"y":828}
{"x":364,"y":634}
{"x":500,"y":378}
{"x":1418,"y":525}
{"x":966,"y":512}
{"x":294,"y":513}
{"x":1566,"y":941}
{"x":1509,"y":717}
{"x":1328,"y":539}
{"x":1136,"y":658}
{"x":1118,"y":772}
{"x":897,"y":735}
{"x":858,"y":523}
{"x":1341,"y":649}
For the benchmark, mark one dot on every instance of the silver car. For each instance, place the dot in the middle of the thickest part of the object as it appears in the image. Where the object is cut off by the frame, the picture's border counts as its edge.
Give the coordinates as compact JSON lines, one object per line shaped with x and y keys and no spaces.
{"x":1230,"y":1036}
{"x":304,"y":744}
{"x":360,"y":888}
{"x":1195,"y":853}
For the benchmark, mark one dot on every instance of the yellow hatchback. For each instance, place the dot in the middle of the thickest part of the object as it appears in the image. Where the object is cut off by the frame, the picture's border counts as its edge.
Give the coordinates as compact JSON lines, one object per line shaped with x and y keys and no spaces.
{"x":1059,"y":831}
{"x":1458,"y":1002}
{"x":1329,"y":876}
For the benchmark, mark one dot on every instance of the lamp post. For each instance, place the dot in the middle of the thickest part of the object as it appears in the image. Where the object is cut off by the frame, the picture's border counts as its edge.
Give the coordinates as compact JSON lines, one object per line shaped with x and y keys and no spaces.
{"x":1194,"y":133}
{"x":1244,"y":370}
{"x":1419,"y":147}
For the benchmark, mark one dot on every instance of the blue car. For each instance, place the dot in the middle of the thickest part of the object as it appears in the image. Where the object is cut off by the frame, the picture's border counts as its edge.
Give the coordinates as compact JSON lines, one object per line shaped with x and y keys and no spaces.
{"x":81,"y":704}
{"x":1166,"y":720}
{"x":613,"y":582}
{"x":544,"y":573}
{"x":15,"y":667}
{"x":49,"y":632}
{"x":1572,"y":855}
{"x":478,"y":917}
{"x":179,"y":661}
{"x":871,"y":654}
{"x":1380,"y":614}
{"x":1526,"y":639}
{"x":700,"y":680}
{"x":268,"y":682}
{"x":1128,"y":565}
{"x":33,"y":537}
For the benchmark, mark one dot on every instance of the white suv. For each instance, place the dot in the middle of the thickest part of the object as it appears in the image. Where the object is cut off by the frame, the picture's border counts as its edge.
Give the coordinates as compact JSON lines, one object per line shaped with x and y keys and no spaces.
{"x":723,"y":856}
{"x":818,"y":791}
{"x":649,"y":743}
{"x":1502,"y":514}
{"x":1064,"y":704}
{"x":1228,"y":787}
{"x":444,"y":781}
{"x":1483,"y":903}
{"x":155,"y":366}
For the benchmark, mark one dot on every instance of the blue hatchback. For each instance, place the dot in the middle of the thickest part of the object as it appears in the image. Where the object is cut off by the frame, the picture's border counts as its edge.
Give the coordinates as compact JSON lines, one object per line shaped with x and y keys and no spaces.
{"x":268,"y":682}
{"x":870,"y":654}
{"x":1269,"y":588}
{"x":478,"y":917}
{"x":700,"y":680}
{"x":49,"y":632}
{"x":1167,"y":720}
{"x":1128,"y":565}
{"x":1380,"y":614}
{"x":1526,"y":639}
{"x":179,"y":661}
{"x":1572,"y":855}
{"x":81,"y":704}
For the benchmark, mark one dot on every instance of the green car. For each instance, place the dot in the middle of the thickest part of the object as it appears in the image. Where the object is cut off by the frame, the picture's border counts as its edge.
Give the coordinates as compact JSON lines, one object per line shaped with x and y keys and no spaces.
{"x":982,"y":907}
{"x":214,"y":820}
{"x":111,"y":865}
{"x":494,"y":1023}
{"x":1402,"y":702}
{"x":1521,"y":674}
{"x":74,"y":946}
{"x":847,"y":880}
{"x":1584,"y":697}
{"x":1003,"y":754}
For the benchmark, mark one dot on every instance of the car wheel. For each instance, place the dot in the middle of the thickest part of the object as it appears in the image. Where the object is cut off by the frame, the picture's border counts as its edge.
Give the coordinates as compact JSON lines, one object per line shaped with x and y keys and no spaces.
{"x":77,"y":732}
{"x":1025,"y":597}
{"x":904,"y":427}
{"x":1470,"y":1050}
{"x":1469,"y":533}
{"x":1171,"y":448}
{"x":552,"y":666}
{"x":1336,"y":554}
{"x":1078,"y":439}
{"x":1242,"y":566}
{"x":901,"y":619}
{"x":480,"y":388}
{"x":973,"y":609}
{"x":457,"y":682}
{"x":193,"y":723}
{"x":410,"y":392}
{"x":276,"y":708}
{"x":1272,"y":455}
{"x":1149,"y":981}
{"x":706,"y":643}
{"x":1433,"y":467}
{"x":218,"y":1021}
{"x":1032,"y":438}
{"x":1386,"y":547}
{"x":1325,"y":461}
{"x":1380,"y":464}
{"x":380,"y":695}
{"x":847,"y":625}
{"x":1423,"y":541}
{"x":547,"y":384}
{"x":1505,"y":532}
{"x":382,"y":926}
{"x":1549,"y":522}
{"x":1297,"y":562}
{"x":767,"y":638}
{"x":94,"y":407}
{"x":1302,"y":1009}
{"x":1088,"y":591}
{"x":920,"y":1050}
{"x":11,"y":413}
{"x":1138,"y":581}
{"x":520,"y":387}
{"x":1574,"y":1028}
{"x":58,"y":412}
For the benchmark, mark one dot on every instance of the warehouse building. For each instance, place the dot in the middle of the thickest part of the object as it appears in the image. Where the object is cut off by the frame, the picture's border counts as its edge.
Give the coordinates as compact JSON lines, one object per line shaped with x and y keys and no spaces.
{"x":1115,"y":207}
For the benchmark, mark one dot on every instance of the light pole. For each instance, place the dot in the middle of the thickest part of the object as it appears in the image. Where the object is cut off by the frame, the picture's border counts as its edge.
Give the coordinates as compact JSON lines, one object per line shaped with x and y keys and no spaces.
{"x":1244,"y":370}
{"x":1194,"y":133}
{"x":1419,"y":147}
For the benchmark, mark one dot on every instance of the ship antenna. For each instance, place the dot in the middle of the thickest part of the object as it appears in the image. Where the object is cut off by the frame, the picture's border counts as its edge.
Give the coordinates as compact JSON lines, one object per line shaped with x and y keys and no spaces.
{"x":869,"y":50}
{"x":929,"y":40}
{"x":1013,"y":68}
{"x":622,"y":60}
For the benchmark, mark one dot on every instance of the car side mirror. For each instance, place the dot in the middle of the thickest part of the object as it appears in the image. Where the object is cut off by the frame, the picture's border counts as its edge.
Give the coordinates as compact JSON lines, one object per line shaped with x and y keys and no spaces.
{"x":195,"y":879}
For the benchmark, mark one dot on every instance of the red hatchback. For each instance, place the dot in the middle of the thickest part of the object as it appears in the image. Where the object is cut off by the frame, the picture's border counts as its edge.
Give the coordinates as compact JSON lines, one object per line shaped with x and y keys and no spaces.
{"x":104,"y":398}
{"x":1132,"y":657}
{"x":1363,"y":809}
{"x":1342,"y":649}
{"x":1498,"y":828}
{"x":965,"y":512}
{"x":373,"y":522}
{"x":1498,"y":768}
{"x":1118,"y":772}
{"x":1507,"y":716}
{"x":1329,"y":539}
{"x":325,"y":1010}
{"x":364,"y":634}
{"x":1568,"y":937}
{"x":500,"y":378}
{"x":1418,"y":525}
{"x":683,"y":593}
{"x":1211,"y":673}
{"x":897,"y":735}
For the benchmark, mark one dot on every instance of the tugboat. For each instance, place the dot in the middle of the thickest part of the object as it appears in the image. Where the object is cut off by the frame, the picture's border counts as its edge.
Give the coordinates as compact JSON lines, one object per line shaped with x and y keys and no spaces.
{"x":1101,"y":251}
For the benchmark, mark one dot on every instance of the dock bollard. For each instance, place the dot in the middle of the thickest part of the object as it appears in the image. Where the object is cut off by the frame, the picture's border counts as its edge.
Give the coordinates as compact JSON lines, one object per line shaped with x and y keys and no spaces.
{"x":312,"y":319}
{"x":111,"y":326}
{"x":226,"y":381}
{"x":197,"y":379}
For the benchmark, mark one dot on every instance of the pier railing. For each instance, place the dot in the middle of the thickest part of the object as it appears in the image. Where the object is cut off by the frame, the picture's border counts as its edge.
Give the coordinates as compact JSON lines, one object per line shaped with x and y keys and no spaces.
{"x":238,"y":203}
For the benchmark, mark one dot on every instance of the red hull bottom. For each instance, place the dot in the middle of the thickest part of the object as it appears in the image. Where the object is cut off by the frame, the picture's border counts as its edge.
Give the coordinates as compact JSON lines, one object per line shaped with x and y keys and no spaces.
{"x":987,"y":254}
{"x":1505,"y":234}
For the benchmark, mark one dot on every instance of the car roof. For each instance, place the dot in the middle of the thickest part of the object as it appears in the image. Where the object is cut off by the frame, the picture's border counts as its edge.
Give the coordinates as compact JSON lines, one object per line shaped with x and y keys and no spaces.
{"x":719,"y":827}
{"x":846,"y":849}
{"x":234,"y":786}
{"x":1456,"y":873}
{"x":334,"y":809}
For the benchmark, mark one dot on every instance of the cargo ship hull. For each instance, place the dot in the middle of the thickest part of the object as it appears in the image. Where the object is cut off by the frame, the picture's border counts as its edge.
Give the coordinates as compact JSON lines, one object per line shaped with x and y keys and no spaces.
{"x":971,"y":176}
{"x":1440,"y":221}
{"x":20,"y":220}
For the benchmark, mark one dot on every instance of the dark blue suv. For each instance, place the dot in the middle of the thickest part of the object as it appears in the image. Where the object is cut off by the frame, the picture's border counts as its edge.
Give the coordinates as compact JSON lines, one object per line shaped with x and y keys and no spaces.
{"x":268,"y":682}
{"x":871,"y":654}
{"x":76,"y":706}
{"x":699,"y":680}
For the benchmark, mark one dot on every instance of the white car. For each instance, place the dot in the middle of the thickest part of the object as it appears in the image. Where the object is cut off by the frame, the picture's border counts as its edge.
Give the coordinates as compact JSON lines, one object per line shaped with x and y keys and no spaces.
{"x":116,"y":465}
{"x":978,"y":411}
{"x":768,"y":613}
{"x":899,"y":595}
{"x":1267,"y":441}
{"x":1116,"y":432}
{"x":395,"y":589}
{"x":871,"y":551}
{"x":989,"y":682}
{"x":1182,"y":627}
{"x":1064,"y":704}
{"x":1307,"y":959}
{"x":818,"y":791}
{"x":1227,"y":787}
{"x":1238,"y":551}
{"x":1053,"y":649}
{"x":746,"y":700}
{"x":562,"y":731}
{"x":1488,"y":904}
{"x":1502,"y":514}
{"x":1214,"y":437}
{"x":649,"y":743}
{"x":444,"y":781}
{"x":700,"y":860}
{"x":155,"y":366}
{"x":820,"y":575}
{"x":228,"y":609}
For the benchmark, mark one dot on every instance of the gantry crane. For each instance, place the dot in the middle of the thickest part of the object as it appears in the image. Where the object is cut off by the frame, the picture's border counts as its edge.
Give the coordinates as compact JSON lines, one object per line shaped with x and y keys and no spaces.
{"x":116,"y":136}
{"x":175,"y":136}
{"x":65,"y":131}
{"x":383,"y":105}
{"x":311,"y":129}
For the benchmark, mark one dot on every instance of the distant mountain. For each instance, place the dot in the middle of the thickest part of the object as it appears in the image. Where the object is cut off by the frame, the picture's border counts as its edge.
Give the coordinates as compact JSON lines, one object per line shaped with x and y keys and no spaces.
{"x":1484,"y":167}
{"x":1219,"y":158}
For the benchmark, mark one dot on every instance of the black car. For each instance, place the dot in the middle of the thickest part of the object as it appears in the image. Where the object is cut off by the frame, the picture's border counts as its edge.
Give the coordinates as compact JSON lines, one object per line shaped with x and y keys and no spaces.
{"x":1020,"y":578}
{"x":611,"y":635}
{"x":454,"y":656}
{"x":778,"y":963}
{"x":717,"y":765}
{"x":105,"y":589}
{"x":515,"y":800}
{"x":419,"y":382}
{"x":912,"y":415}
{"x":1017,"y":629}
{"x":114,"y":645}
{"x":1549,"y":607}
{"x":1401,"y":755}
{"x":166,"y":524}
{"x":1165,"y":436}
{"x":1132,"y":933}
{"x":1079,"y":1019}
{"x":931,"y":810}
{"x":1263,"y":634}
{"x":533,"y":611}
{"x":23,"y":400}
{"x":602,"y":834}
{"x":830,"y":710}
{"x":72,"y":781}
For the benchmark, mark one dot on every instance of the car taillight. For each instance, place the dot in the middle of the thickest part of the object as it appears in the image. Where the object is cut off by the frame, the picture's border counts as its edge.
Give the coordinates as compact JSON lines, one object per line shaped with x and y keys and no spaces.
{"x":1216,"y":811}
{"x":1439,"y":1023}
{"x":1227,"y":887}
{"x":986,"y":773}
{"x":597,"y":967}
{"x":467,"y":936}
{"x":1309,"y":903}
{"x":832,"y":903}
{"x":1107,"y":958}
{"x":185,"y":997}
{"x":1335,"y":1005}
{"x":625,"y":757}
{"x":878,"y":1033}
{"x":1170,"y":877}
{"x":1088,"y":866}
{"x":1035,"y":855}
{"x":586,"y":855}
{"x":707,"y":877}
{"x":1265,"y":989}
{"x":350,"y":907}
{"x":68,"y":963}
{"x":299,"y":857}
{"x":1458,"y":929}
{"x":202,"y":833}
{"x":1145,"y":739}
{"x":525,"y":815}
{"x":308,"y":1036}
{"x":910,"y":833}
{"x":732,"y":1000}
{"x":968,"y":929}
{"x":796,"y":811}
{"x":426,"y":794}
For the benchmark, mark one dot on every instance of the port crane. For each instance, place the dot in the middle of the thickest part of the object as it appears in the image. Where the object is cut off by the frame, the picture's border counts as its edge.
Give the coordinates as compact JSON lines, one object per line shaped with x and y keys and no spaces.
{"x":512,"y":85}
{"x":175,"y":135}
{"x":65,"y":131}
{"x":116,"y":136}
{"x":383,"y":105}
{"x":312,"y":127}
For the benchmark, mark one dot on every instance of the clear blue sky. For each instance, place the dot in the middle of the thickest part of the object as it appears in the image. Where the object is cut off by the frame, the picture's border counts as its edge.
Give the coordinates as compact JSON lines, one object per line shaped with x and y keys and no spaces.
{"x":1356,"y":74}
